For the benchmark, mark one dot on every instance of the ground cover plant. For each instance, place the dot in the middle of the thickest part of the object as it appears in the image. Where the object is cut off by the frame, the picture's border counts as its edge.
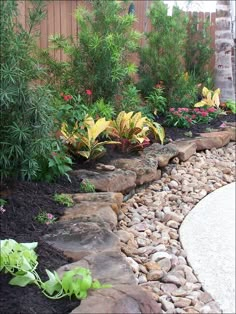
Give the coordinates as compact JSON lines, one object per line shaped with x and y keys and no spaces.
{"x":20,"y":260}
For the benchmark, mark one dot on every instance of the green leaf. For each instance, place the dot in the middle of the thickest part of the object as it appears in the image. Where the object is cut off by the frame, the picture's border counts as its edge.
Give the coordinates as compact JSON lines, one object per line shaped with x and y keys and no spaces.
{"x":22,"y":281}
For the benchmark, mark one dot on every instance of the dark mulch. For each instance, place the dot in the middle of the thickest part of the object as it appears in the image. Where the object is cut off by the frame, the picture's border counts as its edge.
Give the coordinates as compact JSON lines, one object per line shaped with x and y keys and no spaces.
{"x":25,"y":201}
{"x":177,"y":133}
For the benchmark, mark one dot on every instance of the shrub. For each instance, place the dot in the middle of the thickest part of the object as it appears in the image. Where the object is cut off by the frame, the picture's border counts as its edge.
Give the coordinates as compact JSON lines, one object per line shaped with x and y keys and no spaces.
{"x":198,"y":50}
{"x":162,"y":59}
{"x":186,"y":92}
{"x":26,"y":113}
{"x":98,"y":60}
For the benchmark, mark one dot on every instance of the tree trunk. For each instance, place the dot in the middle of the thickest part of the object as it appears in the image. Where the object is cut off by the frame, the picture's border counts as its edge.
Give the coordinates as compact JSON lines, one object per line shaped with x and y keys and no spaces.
{"x":224,"y":51}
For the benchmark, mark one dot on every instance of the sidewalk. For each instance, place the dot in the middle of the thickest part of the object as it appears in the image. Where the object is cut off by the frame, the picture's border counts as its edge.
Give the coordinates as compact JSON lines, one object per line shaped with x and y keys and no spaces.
{"x":208,"y":237}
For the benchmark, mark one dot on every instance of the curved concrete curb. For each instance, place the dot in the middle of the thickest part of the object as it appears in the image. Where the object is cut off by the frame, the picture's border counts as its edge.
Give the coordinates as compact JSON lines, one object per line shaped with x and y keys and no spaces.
{"x":208,"y":237}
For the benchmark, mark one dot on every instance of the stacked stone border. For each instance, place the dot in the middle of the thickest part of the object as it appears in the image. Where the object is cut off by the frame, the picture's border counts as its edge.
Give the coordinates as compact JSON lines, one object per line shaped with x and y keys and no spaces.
{"x":87,"y":233}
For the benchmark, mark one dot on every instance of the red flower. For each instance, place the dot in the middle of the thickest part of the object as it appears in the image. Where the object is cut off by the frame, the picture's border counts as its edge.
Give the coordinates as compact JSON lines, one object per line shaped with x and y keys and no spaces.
{"x":67,"y":97}
{"x":193,"y":116}
{"x":204,"y":114}
{"x":88,"y":92}
{"x":172,"y":109}
{"x":211,"y":109}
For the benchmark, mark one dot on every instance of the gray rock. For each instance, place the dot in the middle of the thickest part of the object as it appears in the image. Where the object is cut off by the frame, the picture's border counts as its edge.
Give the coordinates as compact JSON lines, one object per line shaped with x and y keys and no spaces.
{"x":109,"y":181}
{"x":145,"y":168}
{"x":174,"y":277}
{"x":165,"y":264}
{"x":163,"y":154}
{"x":134,"y":265}
{"x":167,"y":305}
{"x":80,"y":238}
{"x":159,"y":255}
{"x":168,"y":288}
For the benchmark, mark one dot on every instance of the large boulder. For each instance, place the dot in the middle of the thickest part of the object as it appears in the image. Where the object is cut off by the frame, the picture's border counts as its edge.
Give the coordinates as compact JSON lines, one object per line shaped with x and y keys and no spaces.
{"x":162,"y":154}
{"x":145,"y":168}
{"x":108,"y":267}
{"x":185,"y":149}
{"x":109,"y":181}
{"x":109,"y":198}
{"x":119,"y":299}
{"x":81,"y":237}
{"x":93,"y":210}
{"x":213,"y":140}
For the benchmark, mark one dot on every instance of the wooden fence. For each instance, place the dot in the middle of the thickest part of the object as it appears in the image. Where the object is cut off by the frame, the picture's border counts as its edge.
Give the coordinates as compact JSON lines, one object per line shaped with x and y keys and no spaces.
{"x":60,"y":20}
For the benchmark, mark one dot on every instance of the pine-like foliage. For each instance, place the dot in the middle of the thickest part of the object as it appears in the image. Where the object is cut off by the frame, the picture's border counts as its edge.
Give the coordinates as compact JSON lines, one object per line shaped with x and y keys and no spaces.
{"x":99,"y":59}
{"x":25,"y":109}
{"x":162,"y":58}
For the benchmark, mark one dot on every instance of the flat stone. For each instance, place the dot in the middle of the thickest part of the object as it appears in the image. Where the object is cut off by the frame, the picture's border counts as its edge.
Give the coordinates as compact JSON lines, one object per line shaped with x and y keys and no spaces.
{"x":80,"y":238}
{"x":168,"y":288}
{"x":163,"y":154}
{"x":119,"y":299}
{"x":145,"y":168}
{"x":109,"y":181}
{"x":100,"y":166}
{"x":213,"y":139}
{"x":92,"y":210}
{"x":108,"y":198}
{"x":107,"y":267}
{"x":232,"y":131}
{"x":185,"y":149}
{"x":174,"y":277}
{"x":182,"y":302}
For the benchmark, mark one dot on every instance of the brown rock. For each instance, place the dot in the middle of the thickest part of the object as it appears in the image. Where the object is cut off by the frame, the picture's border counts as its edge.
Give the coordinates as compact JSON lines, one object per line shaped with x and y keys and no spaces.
{"x":92,"y":210}
{"x":212,"y":139}
{"x":186,"y":149}
{"x":82,"y":237}
{"x":161,"y":153}
{"x":152,"y":266}
{"x":108,"y":198}
{"x":119,"y":299}
{"x":100,"y":166}
{"x":155,"y":275}
{"x":232,"y":131}
{"x":108,"y":267}
{"x":144,"y":167}
{"x":109,"y":181}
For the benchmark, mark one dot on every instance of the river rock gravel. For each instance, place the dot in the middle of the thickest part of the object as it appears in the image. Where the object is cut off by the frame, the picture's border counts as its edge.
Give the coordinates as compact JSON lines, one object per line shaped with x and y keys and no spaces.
{"x":149,"y":226}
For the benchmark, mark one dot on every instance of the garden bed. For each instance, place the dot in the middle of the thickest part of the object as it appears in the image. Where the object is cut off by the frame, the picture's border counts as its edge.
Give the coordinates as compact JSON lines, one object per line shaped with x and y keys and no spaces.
{"x":25,"y":201}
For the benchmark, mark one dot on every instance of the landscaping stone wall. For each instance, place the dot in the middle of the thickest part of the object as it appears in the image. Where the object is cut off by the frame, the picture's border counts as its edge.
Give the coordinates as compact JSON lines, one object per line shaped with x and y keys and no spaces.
{"x":87,"y":232}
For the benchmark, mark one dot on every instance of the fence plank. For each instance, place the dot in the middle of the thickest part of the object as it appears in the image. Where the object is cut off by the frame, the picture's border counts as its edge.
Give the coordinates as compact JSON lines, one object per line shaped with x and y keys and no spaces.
{"x":61,"y":20}
{"x":57,"y":25}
